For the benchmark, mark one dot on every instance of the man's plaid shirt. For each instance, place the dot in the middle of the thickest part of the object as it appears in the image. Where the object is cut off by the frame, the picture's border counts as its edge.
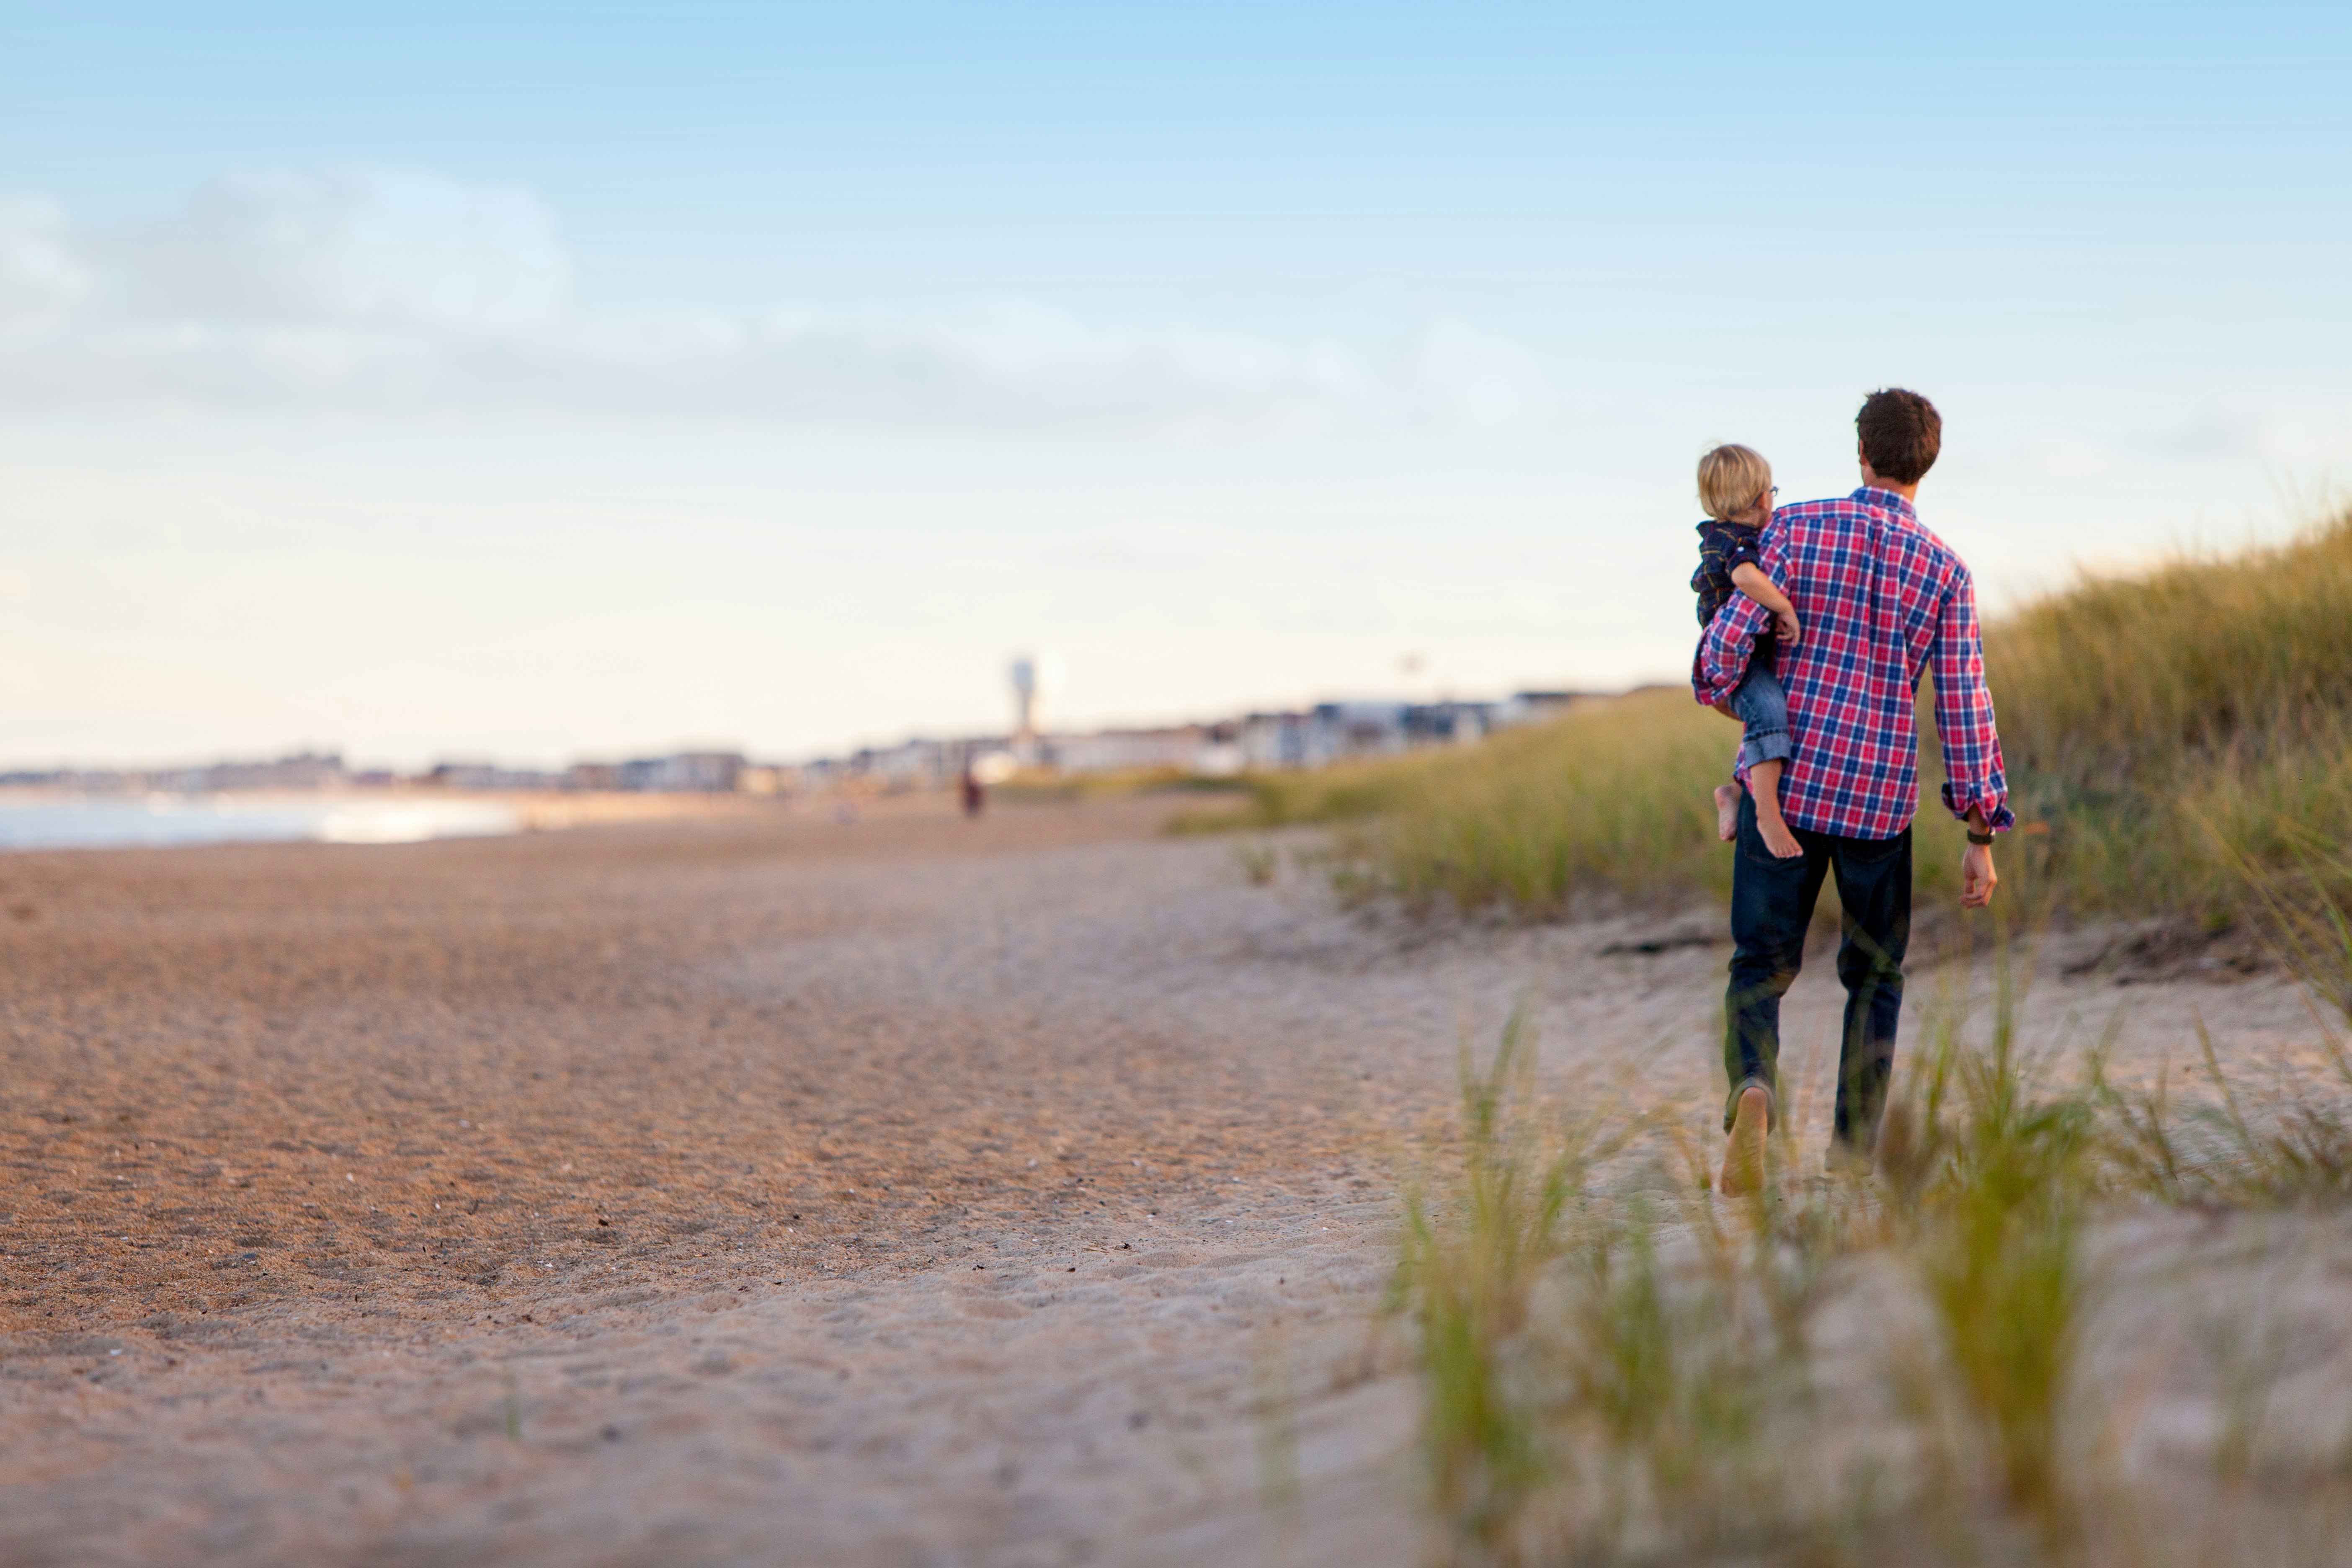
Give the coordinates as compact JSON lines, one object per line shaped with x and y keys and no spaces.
{"x":1880,"y":599}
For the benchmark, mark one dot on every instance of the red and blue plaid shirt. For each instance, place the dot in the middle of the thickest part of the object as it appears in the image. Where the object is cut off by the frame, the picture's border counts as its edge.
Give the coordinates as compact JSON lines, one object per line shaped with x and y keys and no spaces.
{"x":1879,"y":599}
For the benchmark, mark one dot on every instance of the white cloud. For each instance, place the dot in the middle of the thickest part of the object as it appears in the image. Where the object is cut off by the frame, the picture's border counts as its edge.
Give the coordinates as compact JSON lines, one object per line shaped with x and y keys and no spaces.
{"x":40,"y":278}
{"x":374,"y":289}
{"x":347,"y":247}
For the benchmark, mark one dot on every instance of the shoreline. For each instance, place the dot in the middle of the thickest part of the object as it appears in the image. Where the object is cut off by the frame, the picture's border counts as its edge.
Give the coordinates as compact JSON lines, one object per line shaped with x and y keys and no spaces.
{"x":38,"y":818}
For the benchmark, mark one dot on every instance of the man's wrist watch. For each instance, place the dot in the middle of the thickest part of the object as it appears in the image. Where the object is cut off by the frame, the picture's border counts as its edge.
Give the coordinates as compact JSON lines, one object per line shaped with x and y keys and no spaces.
{"x":1976,"y":837}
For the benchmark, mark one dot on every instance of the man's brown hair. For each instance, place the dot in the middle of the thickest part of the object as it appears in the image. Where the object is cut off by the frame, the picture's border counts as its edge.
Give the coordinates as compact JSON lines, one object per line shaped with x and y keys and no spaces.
{"x":1900,"y":434}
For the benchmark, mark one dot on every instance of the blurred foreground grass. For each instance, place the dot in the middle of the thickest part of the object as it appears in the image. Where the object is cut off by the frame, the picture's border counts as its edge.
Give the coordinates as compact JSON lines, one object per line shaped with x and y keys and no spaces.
{"x":2062,"y":1321}
{"x":2165,"y":735}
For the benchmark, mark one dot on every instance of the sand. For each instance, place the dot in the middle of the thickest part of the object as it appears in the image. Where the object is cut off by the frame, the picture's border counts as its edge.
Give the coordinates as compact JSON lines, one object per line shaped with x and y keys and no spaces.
{"x":777,"y":1188}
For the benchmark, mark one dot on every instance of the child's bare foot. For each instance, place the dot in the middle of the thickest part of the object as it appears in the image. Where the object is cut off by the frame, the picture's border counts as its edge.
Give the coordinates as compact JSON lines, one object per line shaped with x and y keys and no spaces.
{"x":1777,"y":836}
{"x":1764,"y":784}
{"x":1727,"y":812}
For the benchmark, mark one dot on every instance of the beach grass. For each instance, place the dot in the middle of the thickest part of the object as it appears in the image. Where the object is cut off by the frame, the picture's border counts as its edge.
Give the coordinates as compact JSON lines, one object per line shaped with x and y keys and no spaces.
{"x":1346,"y":792}
{"x":1468,"y":1275}
{"x":1527,"y":820}
{"x":1992,"y":1171}
{"x":2178,"y":729}
{"x":2179,"y":744}
{"x":1937,"y":1361}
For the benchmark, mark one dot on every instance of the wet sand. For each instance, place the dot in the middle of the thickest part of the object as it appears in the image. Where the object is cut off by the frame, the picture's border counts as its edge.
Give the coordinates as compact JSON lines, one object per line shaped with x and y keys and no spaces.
{"x":768,"y":1189}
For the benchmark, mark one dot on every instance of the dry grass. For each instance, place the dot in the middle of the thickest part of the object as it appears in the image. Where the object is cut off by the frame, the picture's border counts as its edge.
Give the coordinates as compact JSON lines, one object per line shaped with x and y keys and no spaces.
{"x":1345,"y":792}
{"x":1467,"y":1274}
{"x":1614,"y":795}
{"x":2176,"y":727}
{"x":1989,"y":1167}
{"x":1889,"y":1367}
{"x":2164,"y":735}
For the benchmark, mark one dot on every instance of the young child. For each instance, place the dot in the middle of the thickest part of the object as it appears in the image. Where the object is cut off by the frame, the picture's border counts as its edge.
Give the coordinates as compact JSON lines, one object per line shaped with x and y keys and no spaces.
{"x":1734,"y":485}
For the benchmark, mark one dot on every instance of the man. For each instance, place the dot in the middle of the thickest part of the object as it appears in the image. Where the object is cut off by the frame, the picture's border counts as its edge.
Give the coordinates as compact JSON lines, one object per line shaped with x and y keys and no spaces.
{"x":1880,"y":600}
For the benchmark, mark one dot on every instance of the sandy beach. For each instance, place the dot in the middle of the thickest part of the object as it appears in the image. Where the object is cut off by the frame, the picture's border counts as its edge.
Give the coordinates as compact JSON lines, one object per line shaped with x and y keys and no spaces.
{"x":883,"y":1188}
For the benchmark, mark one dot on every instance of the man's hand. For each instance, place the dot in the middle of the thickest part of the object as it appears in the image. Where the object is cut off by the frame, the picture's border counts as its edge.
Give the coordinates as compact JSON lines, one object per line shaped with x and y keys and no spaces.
{"x":1728,"y":711}
{"x":1785,"y":622}
{"x":1978,"y":879}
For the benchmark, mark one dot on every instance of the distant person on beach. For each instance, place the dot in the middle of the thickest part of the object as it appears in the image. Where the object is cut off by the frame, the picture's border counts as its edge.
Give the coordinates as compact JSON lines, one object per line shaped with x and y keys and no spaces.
{"x":1735,"y":486}
{"x":975,"y":794}
{"x":1880,"y":600}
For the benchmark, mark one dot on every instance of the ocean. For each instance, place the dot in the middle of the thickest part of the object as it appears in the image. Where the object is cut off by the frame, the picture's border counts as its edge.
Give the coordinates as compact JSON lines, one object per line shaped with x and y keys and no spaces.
{"x":156,"y":821}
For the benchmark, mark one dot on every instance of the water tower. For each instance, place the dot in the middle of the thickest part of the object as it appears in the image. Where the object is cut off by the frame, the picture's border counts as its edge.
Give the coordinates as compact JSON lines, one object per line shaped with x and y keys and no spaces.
{"x":1035,"y":676}
{"x":1024,"y":699}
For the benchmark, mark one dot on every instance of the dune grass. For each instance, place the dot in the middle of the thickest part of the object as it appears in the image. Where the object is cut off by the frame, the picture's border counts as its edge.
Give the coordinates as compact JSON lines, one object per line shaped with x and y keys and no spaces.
{"x":1526,"y":820}
{"x":1468,"y":1274}
{"x":2283,"y":1138}
{"x":1600,"y":801}
{"x":2165,"y":734}
{"x":1345,"y":792}
{"x":2179,"y":728}
{"x":1991,"y":1168}
{"x":1886,"y":1366}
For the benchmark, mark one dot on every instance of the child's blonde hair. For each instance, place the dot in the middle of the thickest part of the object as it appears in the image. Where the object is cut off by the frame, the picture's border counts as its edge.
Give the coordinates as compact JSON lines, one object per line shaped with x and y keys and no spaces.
{"x":1732,"y":478}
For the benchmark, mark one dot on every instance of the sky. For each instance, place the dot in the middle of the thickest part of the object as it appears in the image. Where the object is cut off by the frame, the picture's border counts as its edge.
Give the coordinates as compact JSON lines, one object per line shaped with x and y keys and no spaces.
{"x":539,"y":382}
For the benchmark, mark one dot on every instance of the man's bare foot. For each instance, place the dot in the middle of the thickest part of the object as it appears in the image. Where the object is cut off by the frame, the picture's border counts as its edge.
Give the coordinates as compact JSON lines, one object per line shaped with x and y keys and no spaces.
{"x":1727,"y":812}
{"x":1777,"y":836}
{"x":1743,"y":1155}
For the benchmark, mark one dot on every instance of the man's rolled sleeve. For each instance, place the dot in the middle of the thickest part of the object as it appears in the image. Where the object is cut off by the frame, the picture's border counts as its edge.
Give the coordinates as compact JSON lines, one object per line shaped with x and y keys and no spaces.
{"x":1973,"y":775}
{"x":1730,"y":638}
{"x":1724,"y":648}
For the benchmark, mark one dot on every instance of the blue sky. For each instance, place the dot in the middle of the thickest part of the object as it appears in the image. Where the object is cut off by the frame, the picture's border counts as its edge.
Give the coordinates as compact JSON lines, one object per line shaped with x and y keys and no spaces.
{"x":543,"y":381}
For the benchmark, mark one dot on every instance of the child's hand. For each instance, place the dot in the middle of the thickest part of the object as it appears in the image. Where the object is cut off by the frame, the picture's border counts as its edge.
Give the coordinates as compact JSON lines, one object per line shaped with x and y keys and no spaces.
{"x":1785,"y":622}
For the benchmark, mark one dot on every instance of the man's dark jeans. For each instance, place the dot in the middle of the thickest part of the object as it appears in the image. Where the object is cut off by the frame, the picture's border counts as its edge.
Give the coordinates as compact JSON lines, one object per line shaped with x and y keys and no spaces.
{"x":1772,"y":906}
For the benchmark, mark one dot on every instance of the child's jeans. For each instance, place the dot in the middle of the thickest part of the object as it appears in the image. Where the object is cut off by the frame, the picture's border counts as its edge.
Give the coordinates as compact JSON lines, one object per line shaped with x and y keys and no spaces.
{"x":1763,"y":709}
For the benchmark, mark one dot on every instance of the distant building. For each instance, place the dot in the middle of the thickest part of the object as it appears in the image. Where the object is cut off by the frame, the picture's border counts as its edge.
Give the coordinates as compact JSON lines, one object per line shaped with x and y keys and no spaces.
{"x":304,"y":771}
{"x":687,"y":772}
{"x":1535,"y":707}
{"x":1314,"y":737}
{"x":461,"y":775}
{"x":917,"y":764}
{"x":910,"y":765}
{"x":1272,"y":741}
{"x":488,"y":776}
{"x":1448,"y":723}
{"x":1188,"y":748}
